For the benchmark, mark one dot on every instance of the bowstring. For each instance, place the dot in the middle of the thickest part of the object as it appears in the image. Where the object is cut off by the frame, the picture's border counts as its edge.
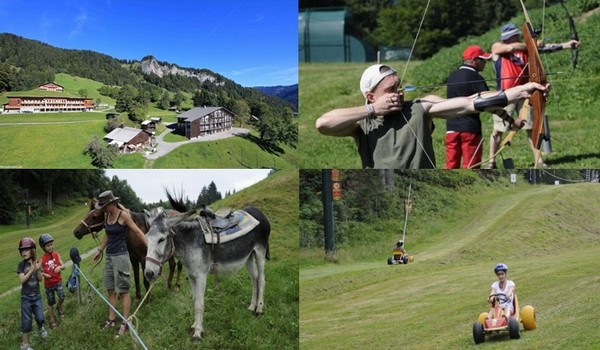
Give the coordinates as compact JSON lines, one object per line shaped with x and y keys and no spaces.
{"x":412,"y":49}
{"x":402,"y":79}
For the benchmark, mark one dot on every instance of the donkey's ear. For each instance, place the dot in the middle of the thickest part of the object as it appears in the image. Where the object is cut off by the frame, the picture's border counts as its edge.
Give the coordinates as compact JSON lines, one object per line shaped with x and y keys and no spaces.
{"x":190,"y":214}
{"x":147,"y":213}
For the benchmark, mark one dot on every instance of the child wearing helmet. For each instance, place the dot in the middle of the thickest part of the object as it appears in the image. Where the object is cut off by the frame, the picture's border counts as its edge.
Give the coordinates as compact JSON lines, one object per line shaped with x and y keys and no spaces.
{"x":502,"y":286}
{"x":400,"y":253}
{"x":52,"y":265}
{"x":30,"y":275}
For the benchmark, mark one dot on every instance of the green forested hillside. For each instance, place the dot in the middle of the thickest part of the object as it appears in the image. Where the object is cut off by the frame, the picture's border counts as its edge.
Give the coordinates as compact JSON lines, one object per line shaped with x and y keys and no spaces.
{"x":32,"y":63}
{"x":26,"y":64}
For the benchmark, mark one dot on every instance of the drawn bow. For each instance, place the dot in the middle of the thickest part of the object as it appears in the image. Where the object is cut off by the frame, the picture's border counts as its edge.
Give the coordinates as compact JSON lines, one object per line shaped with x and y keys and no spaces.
{"x":574,"y":36}
{"x":536,"y":74}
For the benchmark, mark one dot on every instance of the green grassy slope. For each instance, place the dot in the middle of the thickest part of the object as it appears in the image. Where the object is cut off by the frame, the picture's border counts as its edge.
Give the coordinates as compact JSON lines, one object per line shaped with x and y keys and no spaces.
{"x":548,"y":236}
{"x":235,"y":152}
{"x":163,"y":323}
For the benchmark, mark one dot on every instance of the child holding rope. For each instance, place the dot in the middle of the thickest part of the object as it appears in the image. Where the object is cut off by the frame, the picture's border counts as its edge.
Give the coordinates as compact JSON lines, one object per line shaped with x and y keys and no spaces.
{"x":52,"y":265}
{"x":30,"y":275}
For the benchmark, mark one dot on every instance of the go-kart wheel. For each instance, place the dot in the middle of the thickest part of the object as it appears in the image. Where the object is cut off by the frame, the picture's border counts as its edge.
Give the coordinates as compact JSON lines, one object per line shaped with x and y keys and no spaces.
{"x":513,"y":328}
{"x":482,"y":317}
{"x":411,"y":258}
{"x":478,"y":333}
{"x":528,"y":318}
{"x":390,"y":261}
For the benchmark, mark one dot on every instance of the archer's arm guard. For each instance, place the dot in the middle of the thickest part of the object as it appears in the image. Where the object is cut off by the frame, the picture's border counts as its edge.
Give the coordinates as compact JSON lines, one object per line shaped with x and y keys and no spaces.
{"x":491,"y":103}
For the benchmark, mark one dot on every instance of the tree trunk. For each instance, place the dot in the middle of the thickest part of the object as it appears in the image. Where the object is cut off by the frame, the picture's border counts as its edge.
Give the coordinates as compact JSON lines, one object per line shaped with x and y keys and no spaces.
{"x":387,"y":178}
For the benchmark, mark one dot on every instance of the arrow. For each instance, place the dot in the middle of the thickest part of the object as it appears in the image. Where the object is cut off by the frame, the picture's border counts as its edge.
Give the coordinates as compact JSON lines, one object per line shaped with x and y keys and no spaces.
{"x":409,"y":88}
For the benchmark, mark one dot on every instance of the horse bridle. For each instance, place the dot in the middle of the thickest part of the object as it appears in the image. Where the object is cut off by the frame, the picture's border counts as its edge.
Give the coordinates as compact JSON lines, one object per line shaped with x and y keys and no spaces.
{"x":90,"y":227}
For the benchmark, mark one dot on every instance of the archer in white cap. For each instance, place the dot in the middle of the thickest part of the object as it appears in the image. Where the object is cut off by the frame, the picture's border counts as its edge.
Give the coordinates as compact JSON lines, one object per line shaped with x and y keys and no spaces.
{"x":510,"y":61}
{"x":393,"y":134}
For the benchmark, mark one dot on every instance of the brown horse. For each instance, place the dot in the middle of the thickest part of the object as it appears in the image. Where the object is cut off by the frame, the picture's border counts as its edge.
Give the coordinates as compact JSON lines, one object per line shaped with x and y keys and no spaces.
{"x":94,"y":222}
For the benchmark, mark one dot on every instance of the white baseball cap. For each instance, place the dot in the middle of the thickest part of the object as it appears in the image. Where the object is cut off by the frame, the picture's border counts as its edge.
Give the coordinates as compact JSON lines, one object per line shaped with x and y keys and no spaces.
{"x":373,"y":76}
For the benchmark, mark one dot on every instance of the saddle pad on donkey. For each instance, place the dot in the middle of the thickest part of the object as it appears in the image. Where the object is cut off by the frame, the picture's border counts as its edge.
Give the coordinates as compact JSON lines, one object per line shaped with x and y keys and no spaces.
{"x":246,"y":225}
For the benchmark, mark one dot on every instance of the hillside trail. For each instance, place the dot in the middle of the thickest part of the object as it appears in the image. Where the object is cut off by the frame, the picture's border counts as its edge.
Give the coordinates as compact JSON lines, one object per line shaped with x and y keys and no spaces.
{"x":56,"y":224}
{"x":499,"y":209}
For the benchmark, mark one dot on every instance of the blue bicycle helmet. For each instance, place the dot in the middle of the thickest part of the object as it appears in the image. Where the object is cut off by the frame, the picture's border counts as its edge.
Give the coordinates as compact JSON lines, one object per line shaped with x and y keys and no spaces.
{"x":501,"y":267}
{"x":45,"y":238}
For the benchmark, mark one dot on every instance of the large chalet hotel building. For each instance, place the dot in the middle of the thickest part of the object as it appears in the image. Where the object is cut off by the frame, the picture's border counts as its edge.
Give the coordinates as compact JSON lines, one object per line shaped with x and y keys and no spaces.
{"x":34,"y":104}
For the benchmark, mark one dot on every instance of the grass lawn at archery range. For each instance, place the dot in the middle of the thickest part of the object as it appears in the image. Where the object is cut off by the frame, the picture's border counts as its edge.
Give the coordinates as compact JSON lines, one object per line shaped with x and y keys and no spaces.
{"x":572,"y":107}
{"x":164,"y":322}
{"x":326,"y":86}
{"x":547,"y":235}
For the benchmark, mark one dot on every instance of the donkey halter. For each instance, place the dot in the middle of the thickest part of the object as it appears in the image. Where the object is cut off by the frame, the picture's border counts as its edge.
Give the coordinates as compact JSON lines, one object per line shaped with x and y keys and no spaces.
{"x":168,"y":256}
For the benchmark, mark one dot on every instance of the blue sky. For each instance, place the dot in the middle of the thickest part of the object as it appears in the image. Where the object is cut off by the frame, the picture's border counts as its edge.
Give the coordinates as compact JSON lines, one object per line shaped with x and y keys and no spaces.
{"x":254,"y":43}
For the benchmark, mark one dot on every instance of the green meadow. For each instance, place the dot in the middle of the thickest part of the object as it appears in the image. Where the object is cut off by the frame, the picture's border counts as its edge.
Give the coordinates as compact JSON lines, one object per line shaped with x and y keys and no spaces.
{"x":57,"y":140}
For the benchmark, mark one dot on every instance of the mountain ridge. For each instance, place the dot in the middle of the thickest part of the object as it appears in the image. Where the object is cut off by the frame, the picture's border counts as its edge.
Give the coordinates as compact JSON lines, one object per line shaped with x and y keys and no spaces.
{"x":286,"y":92}
{"x":32,"y":62}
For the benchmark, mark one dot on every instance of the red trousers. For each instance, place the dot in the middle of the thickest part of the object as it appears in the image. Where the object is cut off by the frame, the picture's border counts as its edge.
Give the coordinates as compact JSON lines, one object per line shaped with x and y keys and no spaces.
{"x":463,"y":144}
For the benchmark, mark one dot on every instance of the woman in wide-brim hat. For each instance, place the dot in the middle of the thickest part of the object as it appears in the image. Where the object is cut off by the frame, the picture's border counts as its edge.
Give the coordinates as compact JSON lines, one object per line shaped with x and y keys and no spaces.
{"x":117,"y":224}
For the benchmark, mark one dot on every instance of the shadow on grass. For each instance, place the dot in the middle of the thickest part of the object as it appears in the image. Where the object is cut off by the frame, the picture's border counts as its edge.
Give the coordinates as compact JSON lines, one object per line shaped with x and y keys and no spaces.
{"x":574,"y":158}
{"x":265,"y":146}
{"x":176,"y":130}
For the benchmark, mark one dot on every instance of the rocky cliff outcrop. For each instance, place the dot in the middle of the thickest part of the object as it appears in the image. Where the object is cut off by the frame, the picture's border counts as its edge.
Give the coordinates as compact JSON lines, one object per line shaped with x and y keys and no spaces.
{"x":149,"y":65}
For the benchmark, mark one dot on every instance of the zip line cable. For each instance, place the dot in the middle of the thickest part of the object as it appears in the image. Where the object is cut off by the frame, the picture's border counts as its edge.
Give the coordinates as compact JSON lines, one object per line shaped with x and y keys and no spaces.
{"x":407,"y":208}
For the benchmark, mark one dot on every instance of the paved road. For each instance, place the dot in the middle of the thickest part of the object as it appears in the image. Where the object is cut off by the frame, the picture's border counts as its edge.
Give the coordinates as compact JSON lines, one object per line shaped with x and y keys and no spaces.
{"x":164,"y":147}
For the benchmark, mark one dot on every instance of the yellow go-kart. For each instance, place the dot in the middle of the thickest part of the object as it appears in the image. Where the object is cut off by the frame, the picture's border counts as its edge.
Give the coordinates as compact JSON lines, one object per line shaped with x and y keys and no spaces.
{"x":499,"y":323}
{"x":399,"y":256}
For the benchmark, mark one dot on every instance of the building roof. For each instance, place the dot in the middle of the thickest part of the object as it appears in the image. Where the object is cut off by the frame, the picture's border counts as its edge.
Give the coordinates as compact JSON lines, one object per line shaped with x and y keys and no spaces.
{"x":51,"y":83}
{"x":197,"y":113}
{"x":122,"y":135}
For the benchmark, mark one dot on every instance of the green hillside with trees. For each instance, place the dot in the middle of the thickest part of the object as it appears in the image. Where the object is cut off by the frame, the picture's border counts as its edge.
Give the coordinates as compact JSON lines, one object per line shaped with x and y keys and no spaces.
{"x":461,"y":224}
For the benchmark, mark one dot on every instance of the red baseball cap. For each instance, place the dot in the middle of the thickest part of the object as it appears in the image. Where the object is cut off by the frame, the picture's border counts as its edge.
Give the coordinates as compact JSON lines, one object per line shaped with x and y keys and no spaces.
{"x":472,"y":52}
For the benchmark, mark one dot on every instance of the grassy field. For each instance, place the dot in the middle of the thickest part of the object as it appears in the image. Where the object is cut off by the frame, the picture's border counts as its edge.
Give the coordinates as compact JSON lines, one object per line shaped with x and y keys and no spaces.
{"x":64,"y":138}
{"x":163,"y":323}
{"x":547,"y":235}
{"x":235,"y":152}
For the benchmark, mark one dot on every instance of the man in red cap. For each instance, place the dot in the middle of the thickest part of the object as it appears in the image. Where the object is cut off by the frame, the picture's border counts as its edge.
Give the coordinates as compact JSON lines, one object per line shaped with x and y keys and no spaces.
{"x":463,"y":134}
